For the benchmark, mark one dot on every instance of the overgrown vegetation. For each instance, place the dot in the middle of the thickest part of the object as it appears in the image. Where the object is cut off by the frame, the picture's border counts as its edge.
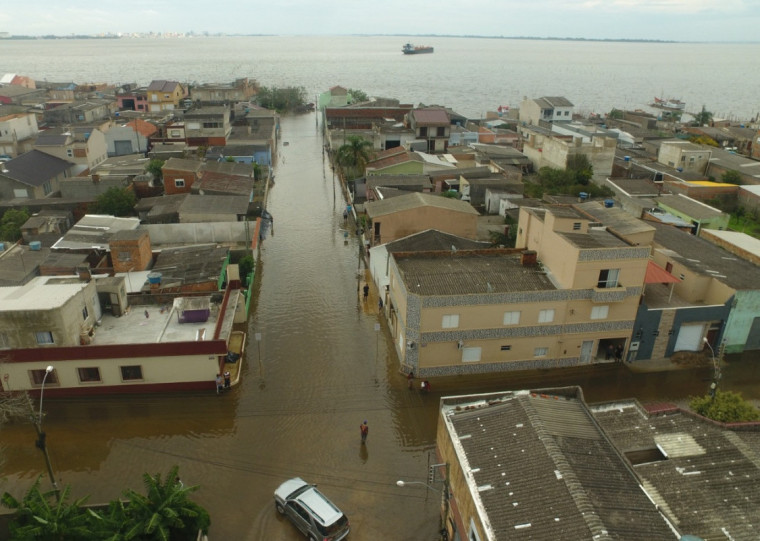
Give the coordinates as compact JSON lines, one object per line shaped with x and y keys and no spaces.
{"x":164,"y":513}
{"x":115,"y":201}
{"x":246,"y":267}
{"x":10,"y":225}
{"x":357,"y":96}
{"x":704,"y":117}
{"x":499,"y":238}
{"x":570,"y":181}
{"x":282,"y":100}
{"x":704,"y":140}
{"x":726,"y":407}
{"x":731,"y":177}
{"x":615,"y":114}
{"x":155,"y":167}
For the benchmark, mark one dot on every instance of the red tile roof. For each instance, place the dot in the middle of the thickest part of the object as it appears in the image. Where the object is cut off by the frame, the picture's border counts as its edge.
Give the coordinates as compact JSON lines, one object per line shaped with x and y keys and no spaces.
{"x":658,"y":275}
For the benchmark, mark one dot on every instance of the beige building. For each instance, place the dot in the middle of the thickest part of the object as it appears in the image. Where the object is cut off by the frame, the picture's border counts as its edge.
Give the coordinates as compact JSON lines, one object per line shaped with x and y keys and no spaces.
{"x":546,"y":149}
{"x":684,"y":156}
{"x":570,"y":297}
{"x":398,"y":217}
{"x":546,"y":109}
{"x":164,"y":95}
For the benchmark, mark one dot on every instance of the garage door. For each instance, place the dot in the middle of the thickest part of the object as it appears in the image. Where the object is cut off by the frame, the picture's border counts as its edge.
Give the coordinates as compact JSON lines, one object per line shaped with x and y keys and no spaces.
{"x":123,"y":147}
{"x":690,"y":337}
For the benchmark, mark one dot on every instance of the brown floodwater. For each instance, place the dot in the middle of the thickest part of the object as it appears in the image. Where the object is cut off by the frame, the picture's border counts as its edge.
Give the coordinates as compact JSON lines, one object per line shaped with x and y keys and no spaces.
{"x":319,"y":370}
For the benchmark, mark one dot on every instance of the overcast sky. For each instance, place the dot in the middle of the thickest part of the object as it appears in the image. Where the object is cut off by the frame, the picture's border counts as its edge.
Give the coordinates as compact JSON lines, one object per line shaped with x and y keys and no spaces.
{"x":681,"y":20}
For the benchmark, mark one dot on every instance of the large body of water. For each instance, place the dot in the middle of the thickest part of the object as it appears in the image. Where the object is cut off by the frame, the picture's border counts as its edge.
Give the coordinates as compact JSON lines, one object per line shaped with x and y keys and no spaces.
{"x":471,"y":75}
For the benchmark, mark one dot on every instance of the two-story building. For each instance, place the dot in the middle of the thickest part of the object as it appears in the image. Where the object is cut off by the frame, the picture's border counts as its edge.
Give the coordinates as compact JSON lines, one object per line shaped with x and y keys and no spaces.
{"x":85,"y":147}
{"x":208,"y":126}
{"x":432,"y":125}
{"x":684,"y":156}
{"x":547,"y":109}
{"x":17,"y":133}
{"x":33,"y":175}
{"x":242,"y":89}
{"x":180,"y":174}
{"x":164,"y":95}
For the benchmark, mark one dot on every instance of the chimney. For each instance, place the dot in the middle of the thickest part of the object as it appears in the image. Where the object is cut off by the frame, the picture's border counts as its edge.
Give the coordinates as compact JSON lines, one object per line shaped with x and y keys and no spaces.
{"x":84,"y":273}
{"x":528,"y":258}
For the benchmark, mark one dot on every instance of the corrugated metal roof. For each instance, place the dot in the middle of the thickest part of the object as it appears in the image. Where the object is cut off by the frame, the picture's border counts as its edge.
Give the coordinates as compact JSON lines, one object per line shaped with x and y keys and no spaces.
{"x":410,"y":201}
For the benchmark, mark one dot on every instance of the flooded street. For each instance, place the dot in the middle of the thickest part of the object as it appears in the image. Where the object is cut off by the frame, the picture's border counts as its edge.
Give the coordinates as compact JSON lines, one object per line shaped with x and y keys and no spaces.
{"x":319,"y":370}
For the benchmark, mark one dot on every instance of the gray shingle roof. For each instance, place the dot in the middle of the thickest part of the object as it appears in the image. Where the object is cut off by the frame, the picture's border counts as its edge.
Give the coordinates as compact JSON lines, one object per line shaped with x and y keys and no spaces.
{"x":416,"y":200}
{"x":543,"y":470}
{"x":467,"y":273}
{"x":706,"y":258}
{"x":34,"y":168}
{"x":433,"y":240}
{"x":710,"y":482}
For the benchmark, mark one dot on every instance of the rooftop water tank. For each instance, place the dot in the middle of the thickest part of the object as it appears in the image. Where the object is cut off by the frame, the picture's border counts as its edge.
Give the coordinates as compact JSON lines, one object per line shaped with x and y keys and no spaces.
{"x":154,"y":278}
{"x":627,"y":158}
{"x":609,"y":203}
{"x":35,"y":245}
{"x":583,"y":196}
{"x":2,"y":246}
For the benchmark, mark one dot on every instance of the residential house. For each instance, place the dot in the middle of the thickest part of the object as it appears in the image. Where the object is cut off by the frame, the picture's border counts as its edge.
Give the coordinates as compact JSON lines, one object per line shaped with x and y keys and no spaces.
{"x":430,"y":240}
{"x":186,"y":269}
{"x":474,"y":187}
{"x":242,"y":89}
{"x":46,"y":227}
{"x":165,"y":95}
{"x":93,"y":233}
{"x":722,"y":161}
{"x":545,"y":148}
{"x":373,"y":186}
{"x":674,"y":452}
{"x":21,"y":95}
{"x":546,"y":110}
{"x":684,"y":156}
{"x":213,"y":208}
{"x":714,"y":297}
{"x":208,"y":126}
{"x":135,"y":99}
{"x":260,"y":154}
{"x":362,"y":117}
{"x":130,"y":138}
{"x":748,"y":198}
{"x":17,"y":80}
{"x":536,"y":465}
{"x":86,"y":148}
{"x":179,"y":175}
{"x":17,"y":133}
{"x":163,"y":209}
{"x":432,"y":125}
{"x":337,"y":96}
{"x":19,"y":264}
{"x":699,"y":214}
{"x":80,"y":112}
{"x":33,"y":175}
{"x":398,"y":217}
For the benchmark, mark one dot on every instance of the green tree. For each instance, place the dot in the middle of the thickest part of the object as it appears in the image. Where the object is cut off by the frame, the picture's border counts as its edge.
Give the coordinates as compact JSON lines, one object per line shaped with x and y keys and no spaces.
{"x":726,"y":407}
{"x":704,"y":117}
{"x":256,"y":171}
{"x":246,"y":267}
{"x":354,"y":155}
{"x":115,"y":201}
{"x":357,"y":96}
{"x":731,"y":177}
{"x":155,"y":167}
{"x":580,"y":167}
{"x":39,"y":516}
{"x":10,"y":225}
{"x":615,"y":114}
{"x":704,"y":140}
{"x":165,"y":512}
{"x":282,"y":99}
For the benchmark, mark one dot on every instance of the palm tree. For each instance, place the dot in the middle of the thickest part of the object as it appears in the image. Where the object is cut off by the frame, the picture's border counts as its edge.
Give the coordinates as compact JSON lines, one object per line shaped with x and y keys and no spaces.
{"x":165,"y":512}
{"x":40,"y":516}
{"x":355,"y":154}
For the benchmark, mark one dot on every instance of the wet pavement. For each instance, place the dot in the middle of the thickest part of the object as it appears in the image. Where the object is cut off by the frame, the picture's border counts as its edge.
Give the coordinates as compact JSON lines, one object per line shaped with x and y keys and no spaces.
{"x":318,"y":371}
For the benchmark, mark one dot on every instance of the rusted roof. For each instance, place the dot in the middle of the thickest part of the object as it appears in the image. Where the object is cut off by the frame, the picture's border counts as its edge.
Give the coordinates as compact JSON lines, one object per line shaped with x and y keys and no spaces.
{"x":431,"y":117}
{"x":658,"y":275}
{"x":142,"y":127}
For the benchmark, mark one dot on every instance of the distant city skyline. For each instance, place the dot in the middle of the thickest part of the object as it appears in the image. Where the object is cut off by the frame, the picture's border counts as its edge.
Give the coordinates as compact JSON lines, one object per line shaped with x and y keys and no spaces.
{"x":666,"y":20}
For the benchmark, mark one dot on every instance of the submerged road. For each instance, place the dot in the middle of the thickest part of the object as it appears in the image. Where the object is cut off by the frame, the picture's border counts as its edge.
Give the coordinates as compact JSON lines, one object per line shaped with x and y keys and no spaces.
{"x":319,"y":370}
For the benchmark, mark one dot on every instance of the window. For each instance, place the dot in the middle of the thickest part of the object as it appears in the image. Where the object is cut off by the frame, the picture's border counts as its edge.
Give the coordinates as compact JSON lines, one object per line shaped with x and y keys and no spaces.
{"x":471,"y":355}
{"x":540,"y":352}
{"x":546,"y":316}
{"x":608,"y":278}
{"x":511,"y":318}
{"x":600,"y":312}
{"x":423,"y":131}
{"x":88,"y":375}
{"x":450,"y":321}
{"x":5,"y":342}
{"x":38,"y":376}
{"x":133,"y":372}
{"x":85,"y":313}
{"x":567,"y":113}
{"x":506,"y":348}
{"x":576,"y":226}
{"x":441,"y":131}
{"x":174,"y":133}
{"x":69,"y":153}
{"x":179,"y":183}
{"x":46,"y":188}
{"x":44,"y":337}
{"x":125,"y":256}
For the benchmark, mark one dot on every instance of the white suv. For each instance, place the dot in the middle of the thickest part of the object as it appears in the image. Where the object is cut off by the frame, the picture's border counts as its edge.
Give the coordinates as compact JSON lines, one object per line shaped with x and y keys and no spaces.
{"x":311,"y":512}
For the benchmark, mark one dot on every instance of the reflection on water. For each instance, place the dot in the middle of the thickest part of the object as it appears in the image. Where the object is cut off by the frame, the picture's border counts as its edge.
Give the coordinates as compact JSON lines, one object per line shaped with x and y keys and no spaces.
{"x":318,"y":371}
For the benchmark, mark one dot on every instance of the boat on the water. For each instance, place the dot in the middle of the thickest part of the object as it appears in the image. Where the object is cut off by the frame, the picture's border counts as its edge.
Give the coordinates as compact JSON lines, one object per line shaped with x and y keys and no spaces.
{"x":669,"y":103}
{"x":416,"y":49}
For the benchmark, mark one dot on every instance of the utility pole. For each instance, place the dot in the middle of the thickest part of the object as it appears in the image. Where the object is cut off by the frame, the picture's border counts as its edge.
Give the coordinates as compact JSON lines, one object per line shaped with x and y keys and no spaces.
{"x":40,"y":443}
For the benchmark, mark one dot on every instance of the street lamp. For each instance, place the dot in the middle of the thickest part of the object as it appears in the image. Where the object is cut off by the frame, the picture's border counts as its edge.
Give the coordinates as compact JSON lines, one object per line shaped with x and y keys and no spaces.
{"x":41,"y":436}
{"x":716,"y":369}
{"x":402,"y":483}
{"x":443,"y":492}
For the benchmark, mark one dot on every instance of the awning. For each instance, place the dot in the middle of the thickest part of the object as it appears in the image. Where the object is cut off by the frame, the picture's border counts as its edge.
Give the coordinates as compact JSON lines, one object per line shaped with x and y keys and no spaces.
{"x":658,"y":275}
